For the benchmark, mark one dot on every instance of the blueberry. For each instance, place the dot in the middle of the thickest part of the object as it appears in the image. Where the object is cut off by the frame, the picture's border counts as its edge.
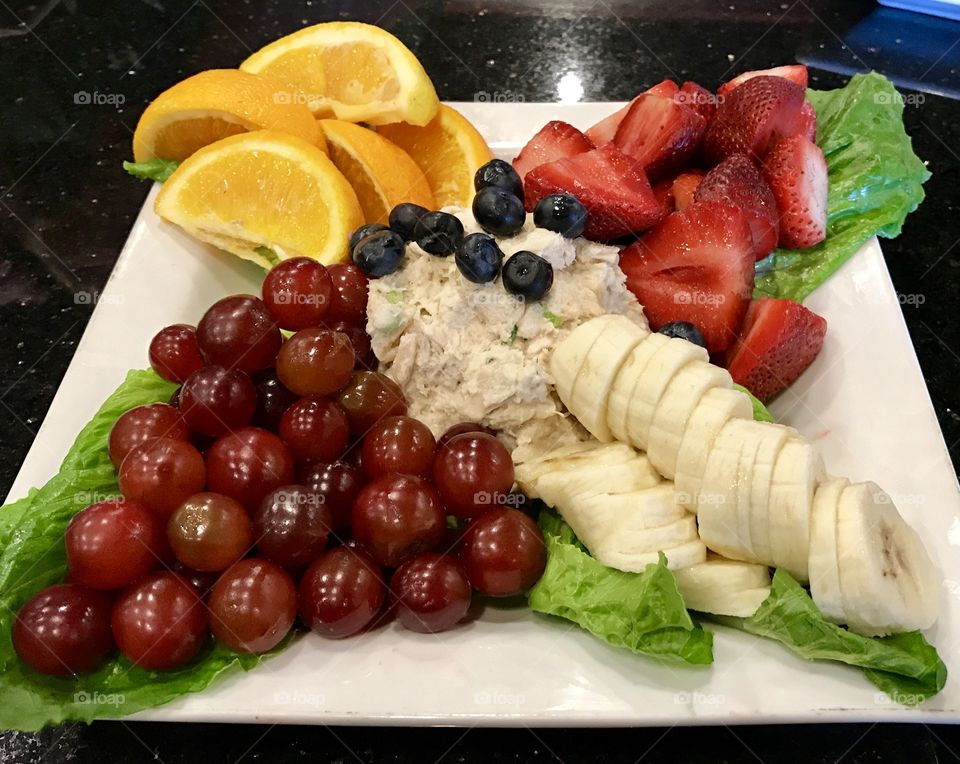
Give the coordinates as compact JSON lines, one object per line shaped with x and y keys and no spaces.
{"x":527,"y":275}
{"x":498,"y":212}
{"x":561,"y":213}
{"x":380,"y":253}
{"x":404,"y":218}
{"x":684,"y":330}
{"x":438,"y":233}
{"x":501,"y":174}
{"x":479,"y":258}
{"x":365,"y":230}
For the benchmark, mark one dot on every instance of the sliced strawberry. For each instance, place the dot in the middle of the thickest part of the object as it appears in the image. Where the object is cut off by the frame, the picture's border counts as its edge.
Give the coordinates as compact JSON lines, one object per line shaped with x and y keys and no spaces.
{"x":556,"y":140}
{"x":699,"y":98}
{"x":606,"y":128}
{"x":611,"y":185}
{"x":780,"y":340}
{"x":796,"y":171}
{"x":696,"y":266}
{"x":685,"y":185}
{"x":753,"y":117}
{"x":807,"y":122}
{"x":796,"y":73}
{"x":660,"y":133}
{"x":663,"y":190}
{"x":737,"y":181}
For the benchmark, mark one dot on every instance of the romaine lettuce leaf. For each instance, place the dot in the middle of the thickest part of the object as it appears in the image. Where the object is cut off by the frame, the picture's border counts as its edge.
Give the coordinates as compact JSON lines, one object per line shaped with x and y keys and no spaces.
{"x":875,"y":182}
{"x":760,"y":412}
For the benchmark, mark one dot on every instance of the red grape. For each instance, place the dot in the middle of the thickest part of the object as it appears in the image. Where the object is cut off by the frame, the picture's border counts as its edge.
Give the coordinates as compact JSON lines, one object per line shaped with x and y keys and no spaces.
{"x":201,"y":581}
{"x":238,"y":332}
{"x":111,"y":543}
{"x":348,"y":302}
{"x":315,"y":429}
{"x":359,"y":341}
{"x":338,"y":483}
{"x":247,"y":464}
{"x":397,"y":517}
{"x":315,"y":361}
{"x":214,"y":400}
{"x":159,"y":623}
{"x":297,"y":292}
{"x":398,"y":444}
{"x":209,"y":532}
{"x":143,"y":423}
{"x":63,"y":629}
{"x":252,"y":606}
{"x":341,"y":593}
{"x":462,"y":428}
{"x":174,"y":352}
{"x":368,"y":398}
{"x":432,"y":593}
{"x":292,"y":525}
{"x":473,"y":474}
{"x":272,"y":400}
{"x":162,"y":473}
{"x":503,"y":553}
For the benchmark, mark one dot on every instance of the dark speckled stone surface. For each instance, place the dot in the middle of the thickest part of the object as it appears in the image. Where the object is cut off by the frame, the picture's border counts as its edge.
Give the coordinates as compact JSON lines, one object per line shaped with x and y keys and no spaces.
{"x":66,"y":208}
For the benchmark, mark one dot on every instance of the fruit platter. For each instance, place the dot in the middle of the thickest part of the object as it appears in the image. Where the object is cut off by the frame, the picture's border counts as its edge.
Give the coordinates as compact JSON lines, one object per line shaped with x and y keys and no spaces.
{"x":403,"y":412}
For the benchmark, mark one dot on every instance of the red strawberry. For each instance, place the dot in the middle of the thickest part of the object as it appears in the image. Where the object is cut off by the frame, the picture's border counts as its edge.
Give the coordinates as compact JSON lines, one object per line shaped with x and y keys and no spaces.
{"x":606,"y":128}
{"x":663,"y":190}
{"x":699,"y":98}
{"x":780,"y":339}
{"x":611,"y":185}
{"x":685,"y":187}
{"x":737,"y":181}
{"x":753,"y":117}
{"x":696,"y":266}
{"x":556,"y":140}
{"x":807,"y":122}
{"x":796,"y":170}
{"x":796,"y":73}
{"x":660,"y":133}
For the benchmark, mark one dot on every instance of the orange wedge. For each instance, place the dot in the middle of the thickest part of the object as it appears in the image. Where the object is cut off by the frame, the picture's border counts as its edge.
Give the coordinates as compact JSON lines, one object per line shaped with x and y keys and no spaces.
{"x":382,"y":175}
{"x":449,"y":150}
{"x":352,"y":71}
{"x":216,"y":104}
{"x":264,"y":196}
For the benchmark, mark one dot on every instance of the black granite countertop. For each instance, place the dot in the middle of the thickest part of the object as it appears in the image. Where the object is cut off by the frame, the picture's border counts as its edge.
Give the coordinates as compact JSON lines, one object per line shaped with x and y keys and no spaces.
{"x":66,"y":208}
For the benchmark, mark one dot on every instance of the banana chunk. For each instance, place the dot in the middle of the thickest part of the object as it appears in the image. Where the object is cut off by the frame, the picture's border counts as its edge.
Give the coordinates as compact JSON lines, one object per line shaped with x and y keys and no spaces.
{"x":678,"y":557}
{"x":569,"y":354}
{"x":621,"y":393}
{"x":888,"y":584}
{"x":647,"y":508}
{"x":567,"y":481}
{"x":796,"y":474}
{"x":724,"y":587}
{"x":823,"y":566}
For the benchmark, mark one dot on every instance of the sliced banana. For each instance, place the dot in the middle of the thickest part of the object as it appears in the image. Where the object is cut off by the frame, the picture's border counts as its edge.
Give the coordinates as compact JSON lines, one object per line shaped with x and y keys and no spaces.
{"x":715,"y":409}
{"x":647,"y":508}
{"x":796,"y":474}
{"x":591,"y":451}
{"x":571,"y":481}
{"x":824,"y":570}
{"x":676,"y":406}
{"x":888,"y":583}
{"x":773,"y":437}
{"x":621,"y":393}
{"x":569,"y":354}
{"x":724,"y":587}
{"x":640,"y":540}
{"x":663,"y":366}
{"x":679,"y":557}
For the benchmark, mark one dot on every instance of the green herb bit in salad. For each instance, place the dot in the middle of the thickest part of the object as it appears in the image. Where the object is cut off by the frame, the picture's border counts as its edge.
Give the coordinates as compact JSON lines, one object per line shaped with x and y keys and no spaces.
{"x":513,"y":334}
{"x":267,"y":254}
{"x":553,"y":318}
{"x":153,"y":169}
{"x":394,"y":296}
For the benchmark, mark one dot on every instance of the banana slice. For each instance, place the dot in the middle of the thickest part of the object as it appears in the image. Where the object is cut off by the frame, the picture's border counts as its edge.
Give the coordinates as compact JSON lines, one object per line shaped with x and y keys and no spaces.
{"x":569,"y":354}
{"x":679,"y":557}
{"x":591,"y":387}
{"x":640,"y":540}
{"x":621,"y":393}
{"x":715,"y":409}
{"x":676,"y":406}
{"x":823,"y":565}
{"x":648,"y":508}
{"x":888,"y":584}
{"x":561,"y":485}
{"x":591,"y":451}
{"x":796,"y":474}
{"x":664,"y":365}
{"x":724,"y":587}
{"x":773,"y":437}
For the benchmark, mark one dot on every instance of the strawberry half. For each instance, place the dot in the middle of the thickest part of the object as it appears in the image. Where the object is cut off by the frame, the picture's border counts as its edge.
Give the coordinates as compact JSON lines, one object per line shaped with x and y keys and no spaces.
{"x":606,"y":128}
{"x":753,"y":117}
{"x":698,"y":98}
{"x":796,"y":73}
{"x":684,"y":188}
{"x":695,"y":266}
{"x":660,"y":133}
{"x":556,"y":140}
{"x":611,"y":185}
{"x":796,"y":171}
{"x":737,"y":181}
{"x":780,"y":340}
{"x":807,"y":122}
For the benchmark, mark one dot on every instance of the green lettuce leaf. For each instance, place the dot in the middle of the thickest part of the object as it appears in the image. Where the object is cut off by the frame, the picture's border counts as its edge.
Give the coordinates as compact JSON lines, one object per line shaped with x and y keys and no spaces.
{"x":642,"y":612}
{"x":875,"y":182}
{"x":32,"y":556}
{"x":153,"y":169}
{"x":905,"y":666}
{"x":760,"y":412}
